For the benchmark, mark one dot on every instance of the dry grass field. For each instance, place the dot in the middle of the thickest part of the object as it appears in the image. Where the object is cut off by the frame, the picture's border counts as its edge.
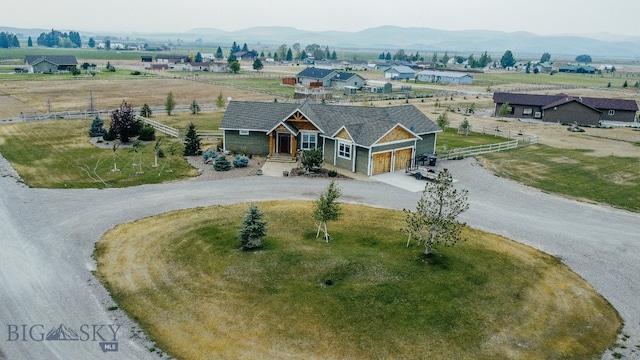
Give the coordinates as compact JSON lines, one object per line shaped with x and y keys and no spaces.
{"x":200,"y":297}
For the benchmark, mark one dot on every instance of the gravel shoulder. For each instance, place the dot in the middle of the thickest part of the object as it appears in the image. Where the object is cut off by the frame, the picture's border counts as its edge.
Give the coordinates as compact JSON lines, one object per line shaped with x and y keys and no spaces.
{"x":48,"y":237}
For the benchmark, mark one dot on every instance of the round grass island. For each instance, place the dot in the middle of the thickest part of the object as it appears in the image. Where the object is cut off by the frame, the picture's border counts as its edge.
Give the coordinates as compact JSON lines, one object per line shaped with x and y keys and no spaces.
{"x":364,"y":295}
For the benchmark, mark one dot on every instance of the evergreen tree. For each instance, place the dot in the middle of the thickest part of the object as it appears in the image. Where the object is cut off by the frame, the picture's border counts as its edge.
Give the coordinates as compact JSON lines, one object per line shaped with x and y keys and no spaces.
{"x":327,"y":209}
{"x":170,"y":103}
{"x":545,"y":57}
{"x":257,"y":65}
{"x":191,"y":141}
{"x":289,"y":56}
{"x":507,"y":60}
{"x":96,"y":128}
{"x":221,"y":163}
{"x":334,"y":56}
{"x":198,"y":57}
{"x":219,"y":55}
{"x":92,"y":43}
{"x":194,"y":107}
{"x":253,"y":229}
{"x":435,"y":220}
{"x":146,"y":111}
{"x":245,"y":48}
{"x":29,"y":42}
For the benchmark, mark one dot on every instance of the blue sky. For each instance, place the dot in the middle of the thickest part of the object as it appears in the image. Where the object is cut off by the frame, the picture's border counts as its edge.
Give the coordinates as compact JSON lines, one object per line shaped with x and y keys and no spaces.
{"x":542,"y":17}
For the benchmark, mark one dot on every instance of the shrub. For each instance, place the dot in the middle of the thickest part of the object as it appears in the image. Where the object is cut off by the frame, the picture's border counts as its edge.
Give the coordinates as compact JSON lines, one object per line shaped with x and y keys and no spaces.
{"x":311,"y":159}
{"x":209,"y":154}
{"x":240,"y":161}
{"x":108,"y":136}
{"x":97,"y":128}
{"x":160,"y":153}
{"x":221,"y":164}
{"x":136,"y":72}
{"x":332,"y":173}
{"x":147,"y":133}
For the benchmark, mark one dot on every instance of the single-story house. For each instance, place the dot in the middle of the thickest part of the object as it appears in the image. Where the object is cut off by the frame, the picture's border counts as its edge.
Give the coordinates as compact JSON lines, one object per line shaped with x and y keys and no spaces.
{"x":198,"y":66}
{"x":50,"y":63}
{"x":399,"y":72}
{"x":343,"y":79}
{"x":218,"y":66}
{"x":246,"y":55}
{"x":361,"y":139}
{"x":545,"y":67}
{"x":172,"y":59}
{"x":159,"y":66}
{"x":328,"y":65}
{"x":582,"y":69}
{"x":356,"y":65}
{"x":146,"y":58}
{"x":314,"y":75}
{"x":566,"y":109}
{"x":445,"y":77}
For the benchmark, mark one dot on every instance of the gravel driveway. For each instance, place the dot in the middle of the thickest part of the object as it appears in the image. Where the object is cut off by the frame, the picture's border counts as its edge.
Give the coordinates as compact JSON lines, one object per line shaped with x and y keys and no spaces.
{"x":47,"y":239}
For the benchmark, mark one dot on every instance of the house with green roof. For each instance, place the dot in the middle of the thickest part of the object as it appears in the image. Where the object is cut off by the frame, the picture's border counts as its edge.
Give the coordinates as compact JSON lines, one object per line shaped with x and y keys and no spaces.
{"x":361,"y":139}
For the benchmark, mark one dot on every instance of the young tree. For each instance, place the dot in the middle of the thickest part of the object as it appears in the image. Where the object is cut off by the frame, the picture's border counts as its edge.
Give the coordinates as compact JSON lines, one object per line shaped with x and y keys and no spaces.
{"x":507,"y":59}
{"x":465,"y":127}
{"x":327,"y":209}
{"x":443,"y":120}
{"x":505,"y":110}
{"x":146,"y":111}
{"x":435,"y":220}
{"x":220,"y":100}
{"x":194,"y":107}
{"x":253,"y":229}
{"x":96,"y":128}
{"x":191,"y":141}
{"x":445,"y":59}
{"x":257,"y":65}
{"x":123,"y":123}
{"x":289,"y":55}
{"x":234,"y":66}
{"x":170,"y":103}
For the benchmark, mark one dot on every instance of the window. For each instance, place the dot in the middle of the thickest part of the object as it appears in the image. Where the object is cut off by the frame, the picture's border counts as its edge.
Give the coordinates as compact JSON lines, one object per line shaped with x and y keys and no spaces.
{"x":612,"y":112}
{"x":344,"y":150}
{"x":309,"y":141}
{"x":244,"y":132}
{"x":527,"y":111}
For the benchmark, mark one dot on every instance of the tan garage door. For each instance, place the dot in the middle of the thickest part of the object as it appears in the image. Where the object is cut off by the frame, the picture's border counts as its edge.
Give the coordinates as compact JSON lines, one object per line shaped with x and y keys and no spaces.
{"x":381,"y":163}
{"x":402,"y":156}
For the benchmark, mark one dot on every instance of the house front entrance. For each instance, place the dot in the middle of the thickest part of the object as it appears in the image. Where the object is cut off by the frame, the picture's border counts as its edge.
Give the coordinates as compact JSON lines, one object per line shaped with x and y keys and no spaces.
{"x":283,"y":143}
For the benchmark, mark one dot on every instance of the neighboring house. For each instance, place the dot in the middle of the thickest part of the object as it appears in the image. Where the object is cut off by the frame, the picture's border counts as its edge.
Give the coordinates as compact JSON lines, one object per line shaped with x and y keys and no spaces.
{"x":361,"y":139}
{"x":198,"y":66}
{"x":48,"y":64}
{"x":146,"y":58}
{"x":328,"y":65}
{"x":315,"y":75}
{"x":246,"y":55}
{"x":344,"y":79}
{"x":399,"y":72}
{"x":218,"y":66}
{"x":545,"y":67}
{"x":566,"y":109}
{"x":377,"y":87}
{"x":445,"y":77}
{"x":172,"y":59}
{"x":355,"y":65}
{"x":579,"y":69}
{"x":159,"y":66}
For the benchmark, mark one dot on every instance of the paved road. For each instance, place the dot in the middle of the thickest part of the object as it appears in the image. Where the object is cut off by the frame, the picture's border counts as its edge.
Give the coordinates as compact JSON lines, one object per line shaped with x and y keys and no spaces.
{"x":47,"y":239}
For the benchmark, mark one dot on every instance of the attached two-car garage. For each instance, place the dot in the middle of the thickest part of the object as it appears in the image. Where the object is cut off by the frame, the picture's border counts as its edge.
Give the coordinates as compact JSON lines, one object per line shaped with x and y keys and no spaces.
{"x":382,"y":162}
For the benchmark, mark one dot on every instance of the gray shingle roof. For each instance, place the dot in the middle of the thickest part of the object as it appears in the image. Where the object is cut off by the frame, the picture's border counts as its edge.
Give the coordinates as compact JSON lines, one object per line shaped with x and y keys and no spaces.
{"x":365,"y":124}
{"x":545,"y":100}
{"x":55,"y":59}
{"x":315,"y":73}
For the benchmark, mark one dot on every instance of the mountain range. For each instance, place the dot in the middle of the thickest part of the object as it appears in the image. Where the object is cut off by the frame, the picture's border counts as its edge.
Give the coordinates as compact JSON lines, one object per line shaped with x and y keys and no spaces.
{"x":411,"y":39}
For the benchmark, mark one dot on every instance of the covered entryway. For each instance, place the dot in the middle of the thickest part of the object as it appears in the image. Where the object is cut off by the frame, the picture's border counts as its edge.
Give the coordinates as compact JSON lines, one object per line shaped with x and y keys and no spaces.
{"x":284,"y":143}
{"x":402,"y":158}
{"x":381,"y":163}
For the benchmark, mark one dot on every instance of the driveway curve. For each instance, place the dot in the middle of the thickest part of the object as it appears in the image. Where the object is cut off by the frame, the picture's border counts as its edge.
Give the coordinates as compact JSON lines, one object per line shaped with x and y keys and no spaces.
{"x":47,"y":287}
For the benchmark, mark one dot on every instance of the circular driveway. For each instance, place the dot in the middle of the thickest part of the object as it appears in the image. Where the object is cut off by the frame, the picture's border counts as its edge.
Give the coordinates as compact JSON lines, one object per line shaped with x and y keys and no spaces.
{"x":47,"y":290}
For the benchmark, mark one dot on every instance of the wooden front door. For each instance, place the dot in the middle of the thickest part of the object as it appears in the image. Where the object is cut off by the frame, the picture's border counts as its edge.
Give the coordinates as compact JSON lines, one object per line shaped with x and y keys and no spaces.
{"x":284,"y":144}
{"x":381,"y":163}
{"x":402,"y":157}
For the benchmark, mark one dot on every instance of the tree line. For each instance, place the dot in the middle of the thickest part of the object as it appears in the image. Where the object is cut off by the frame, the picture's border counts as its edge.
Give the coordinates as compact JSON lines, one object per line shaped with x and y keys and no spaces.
{"x":8,"y":40}
{"x":56,"y":38}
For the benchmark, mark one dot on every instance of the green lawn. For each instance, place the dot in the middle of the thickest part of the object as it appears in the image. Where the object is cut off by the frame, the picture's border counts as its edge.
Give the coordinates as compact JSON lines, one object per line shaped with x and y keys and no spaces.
{"x":609,"y":180}
{"x":561,"y":79}
{"x":199,"y":296}
{"x":452,"y":140}
{"x":57,"y":154}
